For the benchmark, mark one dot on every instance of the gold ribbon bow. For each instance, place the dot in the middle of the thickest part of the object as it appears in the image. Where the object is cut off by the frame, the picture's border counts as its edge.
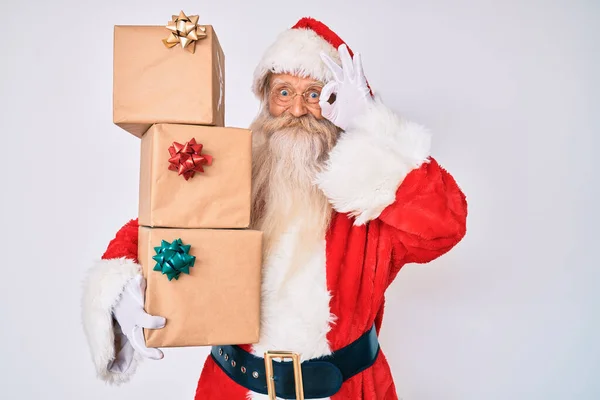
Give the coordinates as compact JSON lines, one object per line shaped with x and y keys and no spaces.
{"x":184,"y":30}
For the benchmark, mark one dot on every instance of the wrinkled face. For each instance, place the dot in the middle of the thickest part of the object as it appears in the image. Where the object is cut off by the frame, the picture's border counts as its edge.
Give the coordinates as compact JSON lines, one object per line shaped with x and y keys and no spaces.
{"x":291,"y":141}
{"x":294,"y":95}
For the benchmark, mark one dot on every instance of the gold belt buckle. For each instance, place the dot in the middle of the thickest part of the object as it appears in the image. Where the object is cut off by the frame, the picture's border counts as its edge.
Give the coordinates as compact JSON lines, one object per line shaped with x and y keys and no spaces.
{"x":295,"y":357}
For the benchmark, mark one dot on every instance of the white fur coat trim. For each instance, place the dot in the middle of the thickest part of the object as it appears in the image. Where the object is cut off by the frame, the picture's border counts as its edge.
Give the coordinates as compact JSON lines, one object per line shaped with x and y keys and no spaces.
{"x":102,"y":289}
{"x":295,"y":314}
{"x":295,"y":51}
{"x":370,"y":161}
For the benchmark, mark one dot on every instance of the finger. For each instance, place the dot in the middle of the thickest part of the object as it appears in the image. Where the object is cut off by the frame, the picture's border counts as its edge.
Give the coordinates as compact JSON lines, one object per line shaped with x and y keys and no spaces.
{"x":148,"y":321}
{"x":327,"y":110}
{"x":139,"y":344}
{"x":335,"y":69}
{"x":346,"y":61}
{"x":329,"y":89}
{"x":359,"y":73}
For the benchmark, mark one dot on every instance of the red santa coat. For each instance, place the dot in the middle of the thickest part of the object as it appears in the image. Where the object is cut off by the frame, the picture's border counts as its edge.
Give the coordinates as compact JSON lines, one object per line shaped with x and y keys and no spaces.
{"x":393,"y":205}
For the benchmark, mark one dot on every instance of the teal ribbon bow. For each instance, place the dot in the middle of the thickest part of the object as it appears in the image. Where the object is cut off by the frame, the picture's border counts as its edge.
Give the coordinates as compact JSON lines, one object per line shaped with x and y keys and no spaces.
{"x":173,"y":258}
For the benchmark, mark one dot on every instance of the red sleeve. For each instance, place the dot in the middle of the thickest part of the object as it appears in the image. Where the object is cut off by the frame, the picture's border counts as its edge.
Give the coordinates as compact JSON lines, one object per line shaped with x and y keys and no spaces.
{"x":125,"y":243}
{"x":427,"y":218}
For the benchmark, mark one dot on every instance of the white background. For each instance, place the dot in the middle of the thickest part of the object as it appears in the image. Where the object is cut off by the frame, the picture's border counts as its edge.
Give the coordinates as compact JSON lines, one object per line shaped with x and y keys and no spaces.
{"x":510,"y":91}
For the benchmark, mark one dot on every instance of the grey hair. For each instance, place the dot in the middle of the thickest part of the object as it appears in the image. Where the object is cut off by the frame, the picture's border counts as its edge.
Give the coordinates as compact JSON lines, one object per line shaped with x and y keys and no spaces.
{"x":266,"y":88}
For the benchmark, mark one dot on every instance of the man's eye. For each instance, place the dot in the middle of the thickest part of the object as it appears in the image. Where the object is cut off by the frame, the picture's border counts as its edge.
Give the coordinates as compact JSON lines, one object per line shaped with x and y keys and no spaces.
{"x":314,"y":95}
{"x":284,"y":92}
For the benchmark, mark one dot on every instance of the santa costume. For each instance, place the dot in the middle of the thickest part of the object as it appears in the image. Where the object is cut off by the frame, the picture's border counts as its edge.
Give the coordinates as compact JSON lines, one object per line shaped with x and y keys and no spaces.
{"x":392,"y":204}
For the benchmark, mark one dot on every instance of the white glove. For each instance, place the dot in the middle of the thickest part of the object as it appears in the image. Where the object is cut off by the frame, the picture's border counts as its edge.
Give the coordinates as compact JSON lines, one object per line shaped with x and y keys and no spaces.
{"x":131,"y":318}
{"x":353,"y":96}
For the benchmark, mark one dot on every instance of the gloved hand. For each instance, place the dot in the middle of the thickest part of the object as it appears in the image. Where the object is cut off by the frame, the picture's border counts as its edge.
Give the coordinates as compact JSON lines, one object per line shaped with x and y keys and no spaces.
{"x":131,"y":318}
{"x":353,"y":96}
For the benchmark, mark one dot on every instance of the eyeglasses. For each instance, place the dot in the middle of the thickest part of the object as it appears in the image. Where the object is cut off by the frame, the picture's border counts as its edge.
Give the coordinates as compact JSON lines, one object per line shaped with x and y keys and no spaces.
{"x":283,"y":95}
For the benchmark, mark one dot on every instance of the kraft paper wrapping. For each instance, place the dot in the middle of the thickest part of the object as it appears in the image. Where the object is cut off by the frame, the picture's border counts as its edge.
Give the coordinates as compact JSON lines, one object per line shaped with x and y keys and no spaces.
{"x":218,"y":302}
{"x":219,"y":197}
{"x":155,"y":84}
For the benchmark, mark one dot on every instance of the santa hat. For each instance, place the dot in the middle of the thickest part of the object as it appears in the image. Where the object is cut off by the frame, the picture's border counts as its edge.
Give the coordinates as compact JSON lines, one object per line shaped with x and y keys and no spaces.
{"x":297,"y":51}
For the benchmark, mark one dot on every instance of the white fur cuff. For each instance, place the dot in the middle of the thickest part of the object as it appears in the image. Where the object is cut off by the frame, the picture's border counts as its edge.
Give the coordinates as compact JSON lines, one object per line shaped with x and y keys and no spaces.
{"x":370,"y":161}
{"x":102,"y":289}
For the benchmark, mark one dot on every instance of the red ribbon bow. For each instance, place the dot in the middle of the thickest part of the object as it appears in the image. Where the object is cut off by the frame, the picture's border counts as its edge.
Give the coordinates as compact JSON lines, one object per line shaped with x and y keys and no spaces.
{"x":187,"y":159}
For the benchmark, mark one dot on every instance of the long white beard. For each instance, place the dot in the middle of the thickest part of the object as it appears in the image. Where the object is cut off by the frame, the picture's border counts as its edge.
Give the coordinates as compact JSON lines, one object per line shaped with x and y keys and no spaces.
{"x":286,"y":161}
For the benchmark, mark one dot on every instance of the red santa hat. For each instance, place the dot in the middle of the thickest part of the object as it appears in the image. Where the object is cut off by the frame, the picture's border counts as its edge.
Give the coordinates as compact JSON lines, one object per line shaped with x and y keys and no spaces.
{"x":297,"y":51}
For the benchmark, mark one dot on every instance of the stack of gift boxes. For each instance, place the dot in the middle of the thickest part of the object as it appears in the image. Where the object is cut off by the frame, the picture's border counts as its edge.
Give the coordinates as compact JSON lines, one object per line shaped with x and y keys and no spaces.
{"x":201,"y":262}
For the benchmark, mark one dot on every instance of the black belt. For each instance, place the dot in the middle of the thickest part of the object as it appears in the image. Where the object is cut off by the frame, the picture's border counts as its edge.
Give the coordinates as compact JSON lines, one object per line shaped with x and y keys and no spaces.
{"x":321,"y":377}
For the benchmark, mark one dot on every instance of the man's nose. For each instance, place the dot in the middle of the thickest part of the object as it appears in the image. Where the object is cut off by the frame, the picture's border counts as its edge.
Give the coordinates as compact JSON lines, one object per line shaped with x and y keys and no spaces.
{"x":298,"y":108}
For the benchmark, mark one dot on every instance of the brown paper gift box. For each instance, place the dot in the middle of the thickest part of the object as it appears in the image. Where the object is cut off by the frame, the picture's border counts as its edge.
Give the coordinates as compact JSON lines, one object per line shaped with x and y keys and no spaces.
{"x":218,"y":302}
{"x":219,"y":197}
{"x":155,"y":84}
